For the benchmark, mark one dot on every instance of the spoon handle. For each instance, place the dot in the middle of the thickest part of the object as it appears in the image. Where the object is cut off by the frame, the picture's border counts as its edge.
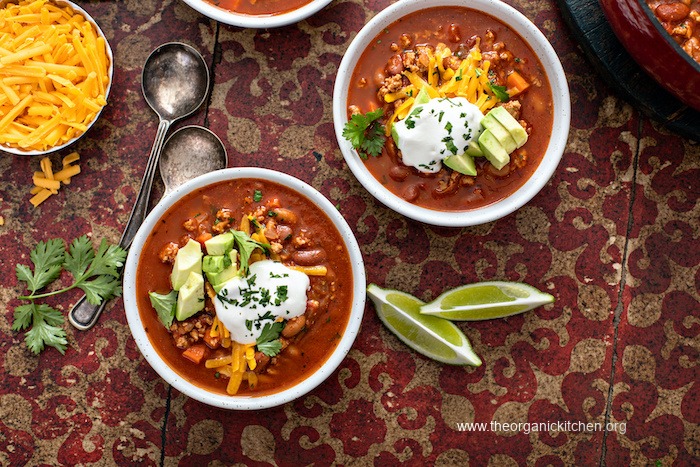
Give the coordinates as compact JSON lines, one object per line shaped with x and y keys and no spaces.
{"x":84,"y":314}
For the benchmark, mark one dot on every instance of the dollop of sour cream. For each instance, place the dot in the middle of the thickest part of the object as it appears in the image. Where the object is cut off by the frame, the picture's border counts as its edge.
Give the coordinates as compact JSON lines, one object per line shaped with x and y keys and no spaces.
{"x":439,"y":128}
{"x":270,"y":290}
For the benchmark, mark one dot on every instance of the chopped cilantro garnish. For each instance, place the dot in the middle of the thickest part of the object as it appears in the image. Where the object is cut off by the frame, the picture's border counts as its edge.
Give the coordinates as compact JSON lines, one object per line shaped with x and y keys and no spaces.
{"x":257,"y":196}
{"x":365,"y":133}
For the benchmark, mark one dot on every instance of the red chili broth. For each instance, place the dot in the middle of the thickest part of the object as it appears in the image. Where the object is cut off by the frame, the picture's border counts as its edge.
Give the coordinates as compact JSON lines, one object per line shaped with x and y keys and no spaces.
{"x":430,"y":26}
{"x":315,"y":344}
{"x":260,"y":7}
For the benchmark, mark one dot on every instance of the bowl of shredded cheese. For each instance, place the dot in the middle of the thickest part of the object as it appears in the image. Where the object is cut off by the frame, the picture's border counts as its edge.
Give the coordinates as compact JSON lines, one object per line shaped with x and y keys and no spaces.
{"x":56,"y":70}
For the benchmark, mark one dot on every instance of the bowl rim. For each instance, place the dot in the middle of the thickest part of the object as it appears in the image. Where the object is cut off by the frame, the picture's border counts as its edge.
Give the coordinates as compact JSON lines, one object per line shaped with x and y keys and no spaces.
{"x":560,"y":128}
{"x":257,"y":21}
{"x":110,"y":72}
{"x":245,"y":402}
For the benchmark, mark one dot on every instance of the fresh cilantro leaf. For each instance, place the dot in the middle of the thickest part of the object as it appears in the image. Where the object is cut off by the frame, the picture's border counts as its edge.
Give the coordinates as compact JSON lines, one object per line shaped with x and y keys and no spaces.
{"x":45,"y":331}
{"x":97,"y":274}
{"x":268,"y":342}
{"x":365,"y":133}
{"x":257,"y":196}
{"x":164,"y":306}
{"x":246,"y":246}
{"x":500,"y":92}
{"x":23,"y":317}
{"x":101,"y":288}
{"x":79,"y":256}
{"x":47,"y":258}
{"x":271,"y":348}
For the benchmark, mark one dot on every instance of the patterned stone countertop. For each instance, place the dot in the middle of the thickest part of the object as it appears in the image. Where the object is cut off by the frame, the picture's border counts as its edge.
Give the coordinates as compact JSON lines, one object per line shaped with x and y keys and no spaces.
{"x":613,"y":366}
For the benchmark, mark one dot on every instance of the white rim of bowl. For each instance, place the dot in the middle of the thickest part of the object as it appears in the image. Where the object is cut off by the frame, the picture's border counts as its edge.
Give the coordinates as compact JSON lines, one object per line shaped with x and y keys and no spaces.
{"x":245,"y":402}
{"x":257,"y":21}
{"x":110,"y":73}
{"x":560,"y":126}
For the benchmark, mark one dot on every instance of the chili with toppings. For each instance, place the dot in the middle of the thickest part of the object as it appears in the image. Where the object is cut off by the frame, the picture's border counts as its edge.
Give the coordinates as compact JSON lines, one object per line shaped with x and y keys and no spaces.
{"x":402,"y":51}
{"x":295,"y":234}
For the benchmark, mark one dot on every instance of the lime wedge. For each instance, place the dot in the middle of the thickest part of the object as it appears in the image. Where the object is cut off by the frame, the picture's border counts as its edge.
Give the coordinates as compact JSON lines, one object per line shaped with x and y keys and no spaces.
{"x":433,"y":337}
{"x":486,"y":300}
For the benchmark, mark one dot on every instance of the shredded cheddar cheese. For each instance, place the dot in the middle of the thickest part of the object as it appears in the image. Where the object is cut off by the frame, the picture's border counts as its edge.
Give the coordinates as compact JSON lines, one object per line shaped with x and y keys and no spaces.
{"x":469,"y":80}
{"x":47,"y":182}
{"x":238,"y":365}
{"x":54,"y":73}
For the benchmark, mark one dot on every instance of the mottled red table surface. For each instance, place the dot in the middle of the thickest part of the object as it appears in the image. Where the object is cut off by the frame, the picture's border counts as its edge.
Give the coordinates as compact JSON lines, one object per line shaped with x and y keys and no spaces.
{"x":612,"y":366}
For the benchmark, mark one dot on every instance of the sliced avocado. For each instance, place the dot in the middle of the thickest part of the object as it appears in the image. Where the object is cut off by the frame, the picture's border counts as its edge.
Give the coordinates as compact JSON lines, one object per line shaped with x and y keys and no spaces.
{"x":187,"y":260}
{"x":217,"y":279}
{"x":213,"y":264}
{"x":474,"y":150}
{"x":219,"y":244}
{"x":462,"y":163}
{"x":511,"y":124}
{"x":500,"y":132}
{"x":493,"y":150}
{"x":190,"y":298}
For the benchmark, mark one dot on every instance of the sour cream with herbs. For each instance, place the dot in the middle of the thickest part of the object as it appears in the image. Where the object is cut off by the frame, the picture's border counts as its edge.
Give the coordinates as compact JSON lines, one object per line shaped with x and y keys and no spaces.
{"x":440,"y":128}
{"x":270,"y":290}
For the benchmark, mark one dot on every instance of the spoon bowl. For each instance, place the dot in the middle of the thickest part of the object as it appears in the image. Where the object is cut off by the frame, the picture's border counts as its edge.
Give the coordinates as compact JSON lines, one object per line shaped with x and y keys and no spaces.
{"x":189,"y":152}
{"x":175,"y":80}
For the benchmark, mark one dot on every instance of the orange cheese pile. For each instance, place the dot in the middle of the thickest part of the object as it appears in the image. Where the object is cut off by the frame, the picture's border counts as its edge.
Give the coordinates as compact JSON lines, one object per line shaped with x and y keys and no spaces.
{"x":53,"y":74}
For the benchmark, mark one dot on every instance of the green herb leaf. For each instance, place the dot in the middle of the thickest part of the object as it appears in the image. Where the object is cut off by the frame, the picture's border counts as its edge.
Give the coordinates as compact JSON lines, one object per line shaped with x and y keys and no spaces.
{"x":46,"y":330}
{"x":268,"y":342}
{"x":47,"y":258}
{"x":97,"y":274}
{"x":500,"y":92}
{"x":246,"y":246}
{"x":365,"y":133}
{"x":79,"y":257}
{"x":164,"y":305}
{"x":257,"y":196}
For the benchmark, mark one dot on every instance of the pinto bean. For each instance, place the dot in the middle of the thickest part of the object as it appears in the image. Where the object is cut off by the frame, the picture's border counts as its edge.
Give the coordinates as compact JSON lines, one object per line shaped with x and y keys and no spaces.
{"x":411,"y":192}
{"x":284,"y":232}
{"x":284,"y":215}
{"x":454,"y":34}
{"x":671,"y":12}
{"x":399,"y":173}
{"x":310,"y":257}
{"x":294,"y":326}
{"x":394,"y":66}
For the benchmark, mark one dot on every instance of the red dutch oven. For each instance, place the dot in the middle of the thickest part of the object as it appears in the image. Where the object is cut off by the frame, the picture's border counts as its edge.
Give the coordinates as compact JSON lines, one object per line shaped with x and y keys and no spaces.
{"x":654,"y":49}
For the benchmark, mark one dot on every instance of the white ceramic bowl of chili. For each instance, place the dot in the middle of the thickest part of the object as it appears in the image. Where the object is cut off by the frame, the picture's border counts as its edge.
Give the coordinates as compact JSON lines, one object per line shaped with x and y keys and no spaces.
{"x":285,"y":17}
{"x":561,"y":107}
{"x":235,"y":402}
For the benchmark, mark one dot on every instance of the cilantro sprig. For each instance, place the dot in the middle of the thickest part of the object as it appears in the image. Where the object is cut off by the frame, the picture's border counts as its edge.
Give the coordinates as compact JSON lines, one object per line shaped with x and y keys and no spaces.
{"x":365,"y":133}
{"x":246,"y":246}
{"x":269,"y":342}
{"x":94,"y":272}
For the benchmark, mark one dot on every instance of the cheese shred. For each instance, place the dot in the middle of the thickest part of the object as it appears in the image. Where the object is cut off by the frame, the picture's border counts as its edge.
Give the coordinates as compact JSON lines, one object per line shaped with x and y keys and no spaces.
{"x":47,"y":182}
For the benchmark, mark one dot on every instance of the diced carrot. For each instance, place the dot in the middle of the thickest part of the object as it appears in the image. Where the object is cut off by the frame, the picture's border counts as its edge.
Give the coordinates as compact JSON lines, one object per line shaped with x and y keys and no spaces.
{"x":516,"y":83}
{"x":195,"y":353}
{"x":213,"y":342}
{"x":203,"y":237}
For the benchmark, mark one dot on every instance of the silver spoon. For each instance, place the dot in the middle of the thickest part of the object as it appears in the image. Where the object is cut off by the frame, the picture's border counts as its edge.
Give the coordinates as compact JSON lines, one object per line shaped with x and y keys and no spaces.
{"x":189,"y":152}
{"x":175,"y":83}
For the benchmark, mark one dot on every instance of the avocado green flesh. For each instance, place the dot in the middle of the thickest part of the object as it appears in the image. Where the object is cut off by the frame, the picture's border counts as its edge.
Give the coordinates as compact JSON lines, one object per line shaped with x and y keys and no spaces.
{"x":190,"y":298}
{"x":188,"y":259}
{"x":462,"y":163}
{"x":220,"y":244}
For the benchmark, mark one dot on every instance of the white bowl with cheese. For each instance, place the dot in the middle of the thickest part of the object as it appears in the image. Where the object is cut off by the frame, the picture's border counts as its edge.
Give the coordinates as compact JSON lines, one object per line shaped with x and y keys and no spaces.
{"x":262,"y":274}
{"x":423,"y":138}
{"x":60,"y":117}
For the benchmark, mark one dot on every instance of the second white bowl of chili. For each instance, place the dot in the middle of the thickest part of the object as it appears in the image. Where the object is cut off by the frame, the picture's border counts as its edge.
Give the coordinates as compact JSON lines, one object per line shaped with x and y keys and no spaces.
{"x":456,"y":62}
{"x":267,"y":325}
